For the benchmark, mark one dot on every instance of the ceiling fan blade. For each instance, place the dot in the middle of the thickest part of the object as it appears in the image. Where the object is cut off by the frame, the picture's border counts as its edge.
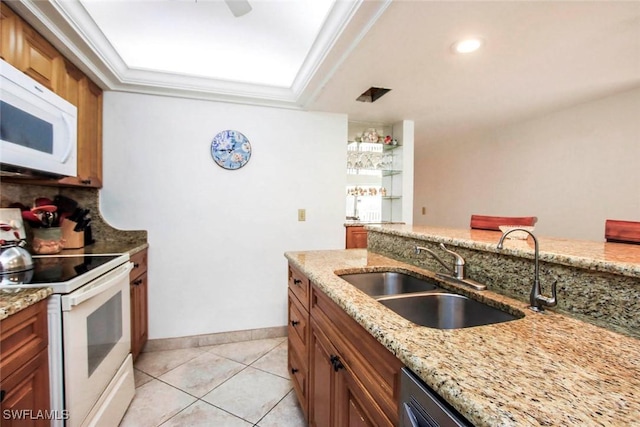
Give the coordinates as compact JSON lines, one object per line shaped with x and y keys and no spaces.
{"x":238,"y":7}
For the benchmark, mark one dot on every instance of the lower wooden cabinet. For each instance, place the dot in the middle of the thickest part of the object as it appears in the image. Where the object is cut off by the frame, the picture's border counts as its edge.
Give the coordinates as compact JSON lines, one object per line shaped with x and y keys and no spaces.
{"x":24,"y":367}
{"x":336,"y":396}
{"x":356,"y":237}
{"x":347,"y":378}
{"x":138,"y":288}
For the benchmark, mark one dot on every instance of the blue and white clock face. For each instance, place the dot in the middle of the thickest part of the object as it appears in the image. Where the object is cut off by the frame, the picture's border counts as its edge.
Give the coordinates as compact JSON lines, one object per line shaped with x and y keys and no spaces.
{"x":230,"y":149}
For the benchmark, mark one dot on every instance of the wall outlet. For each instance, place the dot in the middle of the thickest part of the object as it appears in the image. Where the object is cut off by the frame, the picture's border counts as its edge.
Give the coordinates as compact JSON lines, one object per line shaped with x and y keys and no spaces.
{"x":302,"y":214}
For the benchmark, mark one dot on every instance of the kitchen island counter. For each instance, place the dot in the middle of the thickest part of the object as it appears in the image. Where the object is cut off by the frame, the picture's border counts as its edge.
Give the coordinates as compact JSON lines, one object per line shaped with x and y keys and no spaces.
{"x":542,"y":369}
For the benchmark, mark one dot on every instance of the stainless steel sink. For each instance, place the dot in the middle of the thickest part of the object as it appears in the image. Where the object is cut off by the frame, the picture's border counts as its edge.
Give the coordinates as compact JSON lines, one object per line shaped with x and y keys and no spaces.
{"x":445,"y":310}
{"x":389,"y":283}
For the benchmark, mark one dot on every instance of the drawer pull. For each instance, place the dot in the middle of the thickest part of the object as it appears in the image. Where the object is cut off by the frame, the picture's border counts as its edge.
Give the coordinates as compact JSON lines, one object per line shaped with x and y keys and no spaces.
{"x":337,"y":364}
{"x":297,"y":282}
{"x":137,"y":282}
{"x":136,"y":265}
{"x":295,"y":322}
{"x":294,"y":370}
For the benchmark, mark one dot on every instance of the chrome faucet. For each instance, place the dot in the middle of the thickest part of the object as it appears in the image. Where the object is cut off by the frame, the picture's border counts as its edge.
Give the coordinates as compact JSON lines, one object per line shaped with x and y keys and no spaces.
{"x":457,"y":272}
{"x":537,"y":300}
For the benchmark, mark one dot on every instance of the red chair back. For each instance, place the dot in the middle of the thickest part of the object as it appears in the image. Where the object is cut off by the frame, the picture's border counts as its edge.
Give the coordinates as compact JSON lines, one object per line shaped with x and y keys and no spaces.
{"x":622,"y":231}
{"x":484,"y":222}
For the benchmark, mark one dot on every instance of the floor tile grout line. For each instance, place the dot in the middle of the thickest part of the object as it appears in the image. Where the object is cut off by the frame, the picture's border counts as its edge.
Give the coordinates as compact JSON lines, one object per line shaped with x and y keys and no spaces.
{"x":274,"y":406}
{"x":200,"y":399}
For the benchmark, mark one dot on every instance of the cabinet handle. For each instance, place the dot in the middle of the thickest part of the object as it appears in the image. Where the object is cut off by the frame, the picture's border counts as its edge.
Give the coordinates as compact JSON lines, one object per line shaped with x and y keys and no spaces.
{"x":294,"y":370}
{"x":2,"y":395}
{"x":85,"y":181}
{"x":137,"y":282}
{"x":337,"y":364}
{"x":297,"y":282}
{"x":295,"y":323}
{"x":136,"y":265}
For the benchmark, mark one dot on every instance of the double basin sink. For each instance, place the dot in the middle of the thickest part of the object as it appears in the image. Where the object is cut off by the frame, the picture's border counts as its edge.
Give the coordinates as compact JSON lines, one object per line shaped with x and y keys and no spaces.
{"x":424,"y":302}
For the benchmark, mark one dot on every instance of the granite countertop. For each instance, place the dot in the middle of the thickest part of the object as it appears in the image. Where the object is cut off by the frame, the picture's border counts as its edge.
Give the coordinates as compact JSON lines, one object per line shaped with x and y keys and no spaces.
{"x":617,"y":258}
{"x":13,"y":302}
{"x":542,"y":369}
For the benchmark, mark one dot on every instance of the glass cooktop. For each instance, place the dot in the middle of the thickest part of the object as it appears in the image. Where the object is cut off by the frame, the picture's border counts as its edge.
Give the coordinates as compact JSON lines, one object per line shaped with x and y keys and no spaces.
{"x":63,"y":273}
{"x":54,"y":269}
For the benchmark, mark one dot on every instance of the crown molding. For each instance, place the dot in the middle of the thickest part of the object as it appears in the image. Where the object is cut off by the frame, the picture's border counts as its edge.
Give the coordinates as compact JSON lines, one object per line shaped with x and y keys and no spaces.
{"x":70,"y":28}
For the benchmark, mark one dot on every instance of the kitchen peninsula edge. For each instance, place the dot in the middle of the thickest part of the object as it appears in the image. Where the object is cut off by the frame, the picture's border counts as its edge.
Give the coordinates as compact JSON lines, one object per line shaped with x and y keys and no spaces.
{"x":542,"y":369}
{"x":597,"y":282}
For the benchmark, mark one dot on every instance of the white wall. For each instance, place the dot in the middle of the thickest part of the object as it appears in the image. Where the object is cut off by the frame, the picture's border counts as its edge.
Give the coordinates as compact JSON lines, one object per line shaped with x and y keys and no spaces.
{"x":572,"y":169}
{"x":217,"y":237}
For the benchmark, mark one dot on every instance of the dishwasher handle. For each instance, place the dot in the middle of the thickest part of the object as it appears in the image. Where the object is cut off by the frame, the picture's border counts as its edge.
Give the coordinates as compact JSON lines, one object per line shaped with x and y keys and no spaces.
{"x":100,"y":285}
{"x":409,"y":416}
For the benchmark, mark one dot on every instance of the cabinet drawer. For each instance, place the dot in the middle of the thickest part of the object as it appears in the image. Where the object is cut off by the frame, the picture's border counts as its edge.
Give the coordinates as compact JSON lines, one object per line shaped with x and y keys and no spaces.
{"x":299,"y":284}
{"x":22,"y":336}
{"x":139,"y":261}
{"x":298,"y":328}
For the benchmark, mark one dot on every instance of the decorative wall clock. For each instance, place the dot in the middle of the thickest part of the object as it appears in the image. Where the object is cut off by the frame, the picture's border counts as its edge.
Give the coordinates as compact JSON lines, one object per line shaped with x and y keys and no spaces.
{"x":230,"y":149}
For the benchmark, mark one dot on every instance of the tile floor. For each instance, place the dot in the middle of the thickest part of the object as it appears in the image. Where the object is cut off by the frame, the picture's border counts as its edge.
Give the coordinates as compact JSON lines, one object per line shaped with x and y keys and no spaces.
{"x":235,"y":385}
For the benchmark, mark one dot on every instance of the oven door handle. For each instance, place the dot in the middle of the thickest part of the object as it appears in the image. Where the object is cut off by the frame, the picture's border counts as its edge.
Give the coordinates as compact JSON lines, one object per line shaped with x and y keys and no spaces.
{"x":87,"y":292}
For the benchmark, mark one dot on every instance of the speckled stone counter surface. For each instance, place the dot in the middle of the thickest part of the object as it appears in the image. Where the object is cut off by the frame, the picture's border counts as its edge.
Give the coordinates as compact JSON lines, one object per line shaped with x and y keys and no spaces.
{"x":11,"y":303}
{"x":617,"y":258}
{"x":542,"y":369}
{"x":596,"y":282}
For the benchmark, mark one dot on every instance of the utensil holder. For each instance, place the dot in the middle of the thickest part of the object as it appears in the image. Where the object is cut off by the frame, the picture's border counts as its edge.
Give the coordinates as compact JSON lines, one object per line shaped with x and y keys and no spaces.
{"x":47,"y":240}
{"x":72,"y":239}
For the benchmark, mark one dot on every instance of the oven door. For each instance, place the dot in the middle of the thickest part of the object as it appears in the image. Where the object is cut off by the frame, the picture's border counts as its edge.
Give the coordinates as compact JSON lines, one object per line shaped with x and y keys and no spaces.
{"x":97,"y":339}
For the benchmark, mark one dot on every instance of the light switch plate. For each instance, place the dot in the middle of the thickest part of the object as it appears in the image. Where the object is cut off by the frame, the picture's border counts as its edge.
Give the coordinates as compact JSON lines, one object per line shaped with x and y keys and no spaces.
{"x":302,"y":214}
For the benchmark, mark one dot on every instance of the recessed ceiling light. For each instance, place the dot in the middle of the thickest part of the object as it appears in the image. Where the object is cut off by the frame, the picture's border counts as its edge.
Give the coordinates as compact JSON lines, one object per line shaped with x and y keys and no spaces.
{"x":467,"y":45}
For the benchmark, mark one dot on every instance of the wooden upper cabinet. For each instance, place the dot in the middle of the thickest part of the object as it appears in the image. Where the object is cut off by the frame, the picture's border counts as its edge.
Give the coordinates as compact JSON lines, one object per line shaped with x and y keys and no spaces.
{"x":89,"y":104}
{"x":25,"y":49}
{"x":10,"y":40}
{"x":39,"y":59}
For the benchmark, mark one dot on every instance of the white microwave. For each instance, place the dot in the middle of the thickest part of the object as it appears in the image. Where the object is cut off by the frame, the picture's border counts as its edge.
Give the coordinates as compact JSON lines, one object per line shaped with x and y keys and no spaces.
{"x":38,"y":129}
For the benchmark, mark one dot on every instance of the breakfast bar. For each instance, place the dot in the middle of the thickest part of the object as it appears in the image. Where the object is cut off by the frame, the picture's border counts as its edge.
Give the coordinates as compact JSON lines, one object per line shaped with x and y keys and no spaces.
{"x":551,"y":368}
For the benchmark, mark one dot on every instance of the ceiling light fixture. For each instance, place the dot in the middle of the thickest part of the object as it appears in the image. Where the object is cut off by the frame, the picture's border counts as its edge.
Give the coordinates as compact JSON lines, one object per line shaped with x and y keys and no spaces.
{"x":372,"y":94}
{"x":467,"y":45}
{"x":238,"y":7}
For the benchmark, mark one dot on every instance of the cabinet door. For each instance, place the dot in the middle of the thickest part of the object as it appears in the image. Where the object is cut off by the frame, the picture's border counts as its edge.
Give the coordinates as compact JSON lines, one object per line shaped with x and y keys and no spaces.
{"x":39,"y":59}
{"x":69,"y":84}
{"x":321,"y":380}
{"x":356,"y":238}
{"x":10,"y":36}
{"x":139,"y":314}
{"x":26,"y":392}
{"x":354,"y":406}
{"x":89,"y":136}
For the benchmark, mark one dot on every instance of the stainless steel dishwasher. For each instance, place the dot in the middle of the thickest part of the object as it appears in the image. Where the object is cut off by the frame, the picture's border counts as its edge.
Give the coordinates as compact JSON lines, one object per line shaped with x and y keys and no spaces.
{"x":422,"y":407}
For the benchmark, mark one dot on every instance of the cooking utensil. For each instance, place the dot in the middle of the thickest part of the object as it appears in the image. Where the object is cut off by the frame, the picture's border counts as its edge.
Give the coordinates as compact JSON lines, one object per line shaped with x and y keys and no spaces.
{"x":65,"y":204}
{"x":31,"y":218}
{"x":44,"y":208}
{"x":42,"y":201}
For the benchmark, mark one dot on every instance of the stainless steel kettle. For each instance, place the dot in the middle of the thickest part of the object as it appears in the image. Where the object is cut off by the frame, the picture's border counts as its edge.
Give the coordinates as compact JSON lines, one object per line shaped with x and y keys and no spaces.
{"x":14,"y":257}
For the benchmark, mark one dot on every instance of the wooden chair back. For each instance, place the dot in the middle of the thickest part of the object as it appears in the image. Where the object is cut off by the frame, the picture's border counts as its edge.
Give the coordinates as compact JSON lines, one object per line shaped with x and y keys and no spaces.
{"x":622,"y":231}
{"x":484,"y":222}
